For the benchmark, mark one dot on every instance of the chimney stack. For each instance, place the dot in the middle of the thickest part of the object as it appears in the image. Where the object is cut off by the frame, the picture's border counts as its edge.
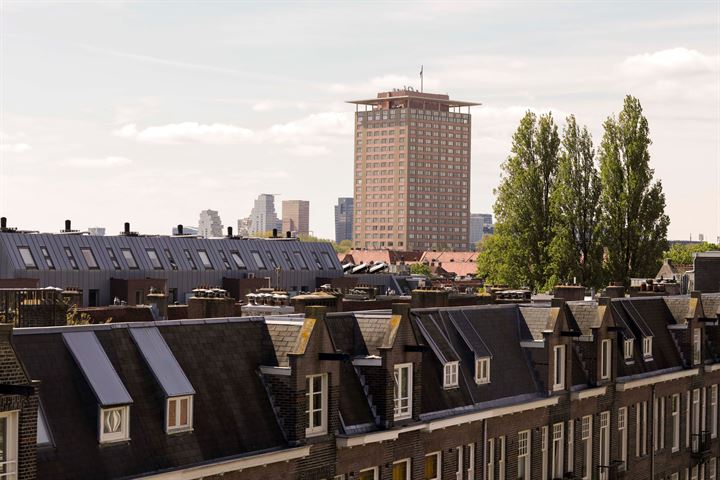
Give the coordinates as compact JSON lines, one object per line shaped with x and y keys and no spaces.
{"x":274,"y":233}
{"x":179,"y":229}
{"x":68,"y":226}
{"x":3,"y":223}
{"x":288,"y":234}
{"x":230,"y":232}
{"x":127,"y":228}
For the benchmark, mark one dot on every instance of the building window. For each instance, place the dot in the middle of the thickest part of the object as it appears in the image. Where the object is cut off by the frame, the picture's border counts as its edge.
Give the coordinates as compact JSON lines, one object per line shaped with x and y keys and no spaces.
{"x":27,"y":258}
{"x":605,"y":359}
{"x":402,"y":397}
{"x":114,"y":424}
{"x":316,"y":392}
{"x":459,"y":463}
{"x":171,"y":260}
{"x":179,"y":414}
{"x":482,"y":370}
{"x":523,"y":469}
{"x":490,"y":463}
{"x":697,"y":346}
{"x":301,"y":260}
{"x":501,"y":458}
{"x":129,"y":258}
{"x":71,"y":258}
{"x":640,"y":429}
{"x":695,"y":419}
{"x":238,"y":260}
{"x":89,"y":257}
{"x":558,"y":444}
{"x":205,"y":260}
{"x":401,"y":470}
{"x":433,"y":468}
{"x":113,"y":258}
{"x":154,"y":259}
{"x":224,"y":260}
{"x":48,"y":259}
{"x":647,"y":347}
{"x":604,"y":458}
{"x":328,"y":261}
{"x":559,"y":368}
{"x":662,"y":423}
{"x":544,"y":451}
{"x":571,"y":445}
{"x":190,"y":260}
{"x":628,"y":348}
{"x":286,"y":255}
{"x":675,"y":421}
{"x":451,"y":375}
{"x":712,"y":469}
{"x":43,"y":431}
{"x":586,"y":437}
{"x":622,"y":436}
{"x":258,"y":260}
{"x":9,"y":445}
{"x":713,"y":410}
{"x":471,"y":461}
{"x":368,"y":474}
{"x":273,"y":263}
{"x":317,"y":261}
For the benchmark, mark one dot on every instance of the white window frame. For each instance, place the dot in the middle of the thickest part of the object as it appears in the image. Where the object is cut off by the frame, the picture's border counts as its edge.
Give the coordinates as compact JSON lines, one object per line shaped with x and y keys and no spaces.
{"x":695,"y":415}
{"x":438,"y":455}
{"x":675,"y":420}
{"x":321,"y":429}
{"x":656,"y":403}
{"x":374,"y":471}
{"x":459,"y":458}
{"x":628,"y":347}
{"x":471,"y":461}
{"x":605,"y":359}
{"x":524,"y":452}
{"x":123,"y":434}
{"x":647,"y":347}
{"x":662,"y":423}
{"x":406,"y":461}
{"x":586,"y":436}
{"x":544,"y":451}
{"x":687,"y":419}
{"x":713,"y":411}
{"x":11,"y":461}
{"x":558,"y":367}
{"x":178,"y":401}
{"x":490,"y":462}
{"x":571,"y":445}
{"x":712,"y":469}
{"x":641,"y":429}
{"x":604,"y":440}
{"x":558,"y":450}
{"x":501,"y":458}
{"x":623,"y":435}
{"x":482,"y":370}
{"x":450,"y":374}
{"x":697,"y":346}
{"x":402,"y":412}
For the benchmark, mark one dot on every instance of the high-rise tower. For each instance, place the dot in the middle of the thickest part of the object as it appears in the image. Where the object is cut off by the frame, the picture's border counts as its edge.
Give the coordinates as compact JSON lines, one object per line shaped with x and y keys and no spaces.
{"x":412,"y":172}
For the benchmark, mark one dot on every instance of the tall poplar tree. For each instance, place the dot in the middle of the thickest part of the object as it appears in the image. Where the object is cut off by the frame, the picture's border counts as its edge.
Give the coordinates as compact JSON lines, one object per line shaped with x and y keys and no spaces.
{"x":576,"y":250}
{"x":633,"y":205}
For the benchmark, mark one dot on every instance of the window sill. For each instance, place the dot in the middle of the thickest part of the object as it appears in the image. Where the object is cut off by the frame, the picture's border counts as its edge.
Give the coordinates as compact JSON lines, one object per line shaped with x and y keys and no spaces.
{"x":315,"y":433}
{"x":180,"y":430}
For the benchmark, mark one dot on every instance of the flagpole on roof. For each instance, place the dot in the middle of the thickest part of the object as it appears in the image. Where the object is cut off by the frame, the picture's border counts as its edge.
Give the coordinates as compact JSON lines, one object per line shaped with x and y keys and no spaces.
{"x":421,"y":78}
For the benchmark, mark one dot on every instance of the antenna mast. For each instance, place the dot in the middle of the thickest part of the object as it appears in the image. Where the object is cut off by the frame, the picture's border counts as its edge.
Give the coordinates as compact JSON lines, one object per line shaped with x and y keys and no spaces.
{"x":421,"y":78}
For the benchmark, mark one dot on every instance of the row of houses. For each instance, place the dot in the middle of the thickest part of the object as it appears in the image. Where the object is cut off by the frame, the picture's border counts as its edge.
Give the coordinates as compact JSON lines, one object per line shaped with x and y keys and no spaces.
{"x":590,"y":390}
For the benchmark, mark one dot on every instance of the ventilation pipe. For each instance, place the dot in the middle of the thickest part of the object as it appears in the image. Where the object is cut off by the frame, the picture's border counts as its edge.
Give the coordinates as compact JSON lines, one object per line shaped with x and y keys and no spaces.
{"x":3,"y":223}
{"x":230,"y":232}
{"x":68,"y":225}
{"x":179,"y":229}
{"x":127,"y":228}
{"x":288,"y":234}
{"x":274,"y":233}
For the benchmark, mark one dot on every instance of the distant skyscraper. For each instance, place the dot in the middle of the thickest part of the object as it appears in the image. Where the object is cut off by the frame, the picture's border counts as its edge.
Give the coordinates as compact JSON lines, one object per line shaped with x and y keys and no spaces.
{"x":412,"y":172}
{"x":263,"y":217}
{"x":209,"y":224}
{"x":296,"y":216}
{"x":343,"y":219}
{"x":478,"y":224}
{"x":97,"y":231}
{"x":243,"y":227}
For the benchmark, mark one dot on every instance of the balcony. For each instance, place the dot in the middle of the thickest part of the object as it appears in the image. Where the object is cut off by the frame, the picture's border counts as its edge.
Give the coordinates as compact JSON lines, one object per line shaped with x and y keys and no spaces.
{"x":701,"y":446}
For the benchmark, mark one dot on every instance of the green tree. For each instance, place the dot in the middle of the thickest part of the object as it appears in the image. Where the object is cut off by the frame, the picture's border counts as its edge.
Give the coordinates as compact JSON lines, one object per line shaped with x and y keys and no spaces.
{"x":497,"y":261}
{"x":420,"y":269}
{"x":632,"y":204}
{"x":681,"y":254}
{"x":524,"y":223}
{"x":575,"y":250}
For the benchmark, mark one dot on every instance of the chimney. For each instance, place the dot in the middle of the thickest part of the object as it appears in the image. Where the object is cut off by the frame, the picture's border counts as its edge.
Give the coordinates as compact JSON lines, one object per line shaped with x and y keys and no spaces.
{"x":288,"y":234}
{"x":3,"y":223}
{"x":68,"y":226}
{"x":616,"y":290}
{"x":230,"y":232}
{"x":604,"y":301}
{"x":428,"y":298}
{"x":570,"y":292}
{"x":274,"y":233}
{"x":695,"y":294}
{"x":127,"y":228}
{"x":180,"y":229}
{"x":557,"y":302}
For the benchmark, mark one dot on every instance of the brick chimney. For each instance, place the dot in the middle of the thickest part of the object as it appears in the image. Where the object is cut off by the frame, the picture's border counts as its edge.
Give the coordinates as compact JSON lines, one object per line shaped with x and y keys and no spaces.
{"x":429,"y":298}
{"x":570,"y":293}
{"x":211,"y":303}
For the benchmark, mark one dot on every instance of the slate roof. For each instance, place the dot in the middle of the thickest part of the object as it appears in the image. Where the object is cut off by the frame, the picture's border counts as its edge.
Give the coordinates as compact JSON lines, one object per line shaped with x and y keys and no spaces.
{"x":220,"y":360}
{"x":283,"y":335}
{"x":535,"y":321}
{"x":585,"y":315}
{"x":373,"y":328}
{"x":678,"y":306}
{"x":711,"y":304}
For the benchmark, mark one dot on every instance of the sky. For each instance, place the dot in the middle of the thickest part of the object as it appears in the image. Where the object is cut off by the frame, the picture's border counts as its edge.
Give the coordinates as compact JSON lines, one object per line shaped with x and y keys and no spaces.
{"x":149,"y":112}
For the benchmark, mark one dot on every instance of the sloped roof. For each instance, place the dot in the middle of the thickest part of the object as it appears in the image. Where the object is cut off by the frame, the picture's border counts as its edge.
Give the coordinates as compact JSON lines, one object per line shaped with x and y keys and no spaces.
{"x":449,"y":257}
{"x":535,"y":321}
{"x":585,"y":315}
{"x":373,"y":328}
{"x":284,"y":336}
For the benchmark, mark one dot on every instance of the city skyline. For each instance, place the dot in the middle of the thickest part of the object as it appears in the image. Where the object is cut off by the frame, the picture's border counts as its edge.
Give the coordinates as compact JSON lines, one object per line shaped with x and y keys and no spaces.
{"x":228,"y":113}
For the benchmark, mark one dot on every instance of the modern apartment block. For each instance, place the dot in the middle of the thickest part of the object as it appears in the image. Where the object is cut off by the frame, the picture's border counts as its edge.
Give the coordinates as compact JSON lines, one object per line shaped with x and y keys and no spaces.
{"x":263,"y":217}
{"x":622,"y":388}
{"x":296,"y":216}
{"x":412,"y":172}
{"x":343,"y":219}
{"x":479,"y":224}
{"x":209,"y":224}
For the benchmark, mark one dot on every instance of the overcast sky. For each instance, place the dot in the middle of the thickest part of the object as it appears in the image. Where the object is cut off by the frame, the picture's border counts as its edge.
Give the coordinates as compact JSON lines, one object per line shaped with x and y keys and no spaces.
{"x":149,"y":112}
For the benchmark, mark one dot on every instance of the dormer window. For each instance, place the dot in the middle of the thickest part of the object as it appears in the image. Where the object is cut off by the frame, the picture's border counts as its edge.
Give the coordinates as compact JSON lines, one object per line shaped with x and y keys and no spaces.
{"x":451,"y":375}
{"x":628,"y":346}
{"x":317,"y":408}
{"x":559,"y":368}
{"x":697,"y":346}
{"x":179,"y":414}
{"x":9,"y":445}
{"x":605,"y":359}
{"x":27,"y":258}
{"x":402,"y":395}
{"x":482,"y":370}
{"x":647,"y":347}
{"x":115,"y":424}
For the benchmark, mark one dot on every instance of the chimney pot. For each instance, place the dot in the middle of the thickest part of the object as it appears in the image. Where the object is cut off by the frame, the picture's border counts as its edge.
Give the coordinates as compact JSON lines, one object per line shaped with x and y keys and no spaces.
{"x":127,"y":228}
{"x":180,"y":229}
{"x":68,"y":225}
{"x":288,"y":234}
{"x":3,"y":223}
{"x":230,"y":232}
{"x":274,"y":233}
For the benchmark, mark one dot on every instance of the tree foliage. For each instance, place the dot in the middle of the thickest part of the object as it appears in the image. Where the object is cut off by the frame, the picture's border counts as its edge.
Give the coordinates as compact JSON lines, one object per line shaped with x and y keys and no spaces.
{"x":681,"y":254}
{"x":575,"y":250}
{"x":633,"y":205}
{"x":420,"y":269}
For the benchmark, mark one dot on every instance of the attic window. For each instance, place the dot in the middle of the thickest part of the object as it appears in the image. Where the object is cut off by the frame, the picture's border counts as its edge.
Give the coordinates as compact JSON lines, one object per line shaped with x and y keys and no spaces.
{"x":238,"y":260}
{"x":8,"y":444}
{"x":628,"y":345}
{"x":27,"y":258}
{"x":115,"y":424}
{"x":482,"y":370}
{"x":179,"y":414}
{"x":71,"y":258}
{"x":605,"y":359}
{"x":316,"y":405}
{"x":205,"y":259}
{"x":647,"y":347}
{"x":129,"y":258}
{"x":559,"y":368}
{"x":451,"y":375}
{"x":89,"y":257}
{"x":258,"y":260}
{"x":697,"y":346}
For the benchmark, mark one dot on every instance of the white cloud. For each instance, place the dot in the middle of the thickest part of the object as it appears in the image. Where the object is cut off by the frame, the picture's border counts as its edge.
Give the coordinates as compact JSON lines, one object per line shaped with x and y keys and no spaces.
{"x":385,"y":83}
{"x":324,"y":124}
{"x":14,"y":147}
{"x":187,"y":132}
{"x":104,"y":162}
{"x":308,"y":150}
{"x":674,"y":61}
